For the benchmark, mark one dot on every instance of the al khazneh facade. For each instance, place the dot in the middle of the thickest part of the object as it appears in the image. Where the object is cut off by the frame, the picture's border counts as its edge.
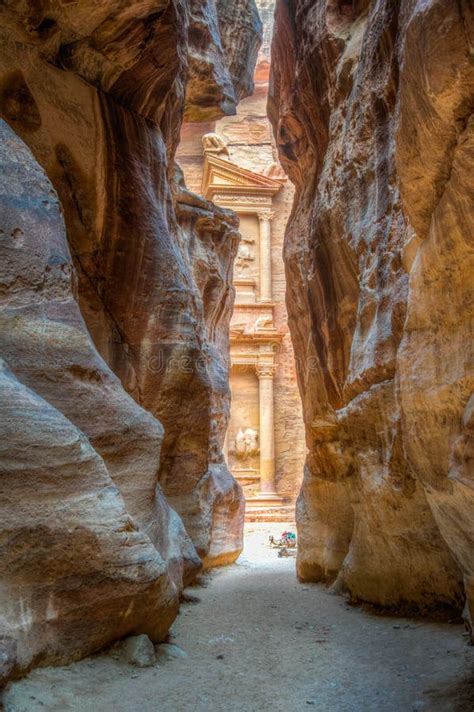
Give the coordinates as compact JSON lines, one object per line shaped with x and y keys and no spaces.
{"x":233,"y":163}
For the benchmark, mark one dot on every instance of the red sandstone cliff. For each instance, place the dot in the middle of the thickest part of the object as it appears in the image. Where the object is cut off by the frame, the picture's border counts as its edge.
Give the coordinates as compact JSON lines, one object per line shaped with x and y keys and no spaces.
{"x":114,"y":338}
{"x":371,"y":103}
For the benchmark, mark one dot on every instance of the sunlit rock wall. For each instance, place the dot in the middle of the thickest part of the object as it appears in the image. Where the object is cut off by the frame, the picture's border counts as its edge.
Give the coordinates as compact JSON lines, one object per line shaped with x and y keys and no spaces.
{"x":114,"y":339}
{"x":371,"y":106}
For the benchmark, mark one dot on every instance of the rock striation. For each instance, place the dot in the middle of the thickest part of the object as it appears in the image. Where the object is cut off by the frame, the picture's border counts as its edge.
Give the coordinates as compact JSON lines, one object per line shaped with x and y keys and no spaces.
{"x":116,"y":294}
{"x":371,"y":104}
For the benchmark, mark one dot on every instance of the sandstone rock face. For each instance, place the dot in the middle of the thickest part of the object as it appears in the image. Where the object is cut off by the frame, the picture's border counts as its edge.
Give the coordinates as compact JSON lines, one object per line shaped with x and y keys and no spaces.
{"x":76,"y":569}
{"x":223,"y":40}
{"x":371,"y":106}
{"x":85,"y":522}
{"x":240,"y":46}
{"x":115,"y":338}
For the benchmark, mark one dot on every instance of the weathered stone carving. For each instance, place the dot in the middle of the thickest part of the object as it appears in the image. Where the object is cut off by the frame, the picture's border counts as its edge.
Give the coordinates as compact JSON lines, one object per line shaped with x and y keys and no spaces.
{"x":265,"y":370}
{"x":240,"y":199}
{"x":246,"y":443}
{"x":245,"y":256}
{"x":237,"y":329}
{"x":264,"y":321}
{"x":265,"y":215}
{"x":213,"y":143}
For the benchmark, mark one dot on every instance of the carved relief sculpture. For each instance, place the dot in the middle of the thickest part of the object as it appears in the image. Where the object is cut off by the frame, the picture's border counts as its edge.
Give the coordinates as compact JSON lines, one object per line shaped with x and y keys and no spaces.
{"x":245,"y":255}
{"x":213,"y":143}
{"x":264,"y":321}
{"x":246,"y":443}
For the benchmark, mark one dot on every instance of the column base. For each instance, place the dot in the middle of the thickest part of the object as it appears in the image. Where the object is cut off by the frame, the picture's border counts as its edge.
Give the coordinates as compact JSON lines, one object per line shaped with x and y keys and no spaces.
{"x":264,"y":499}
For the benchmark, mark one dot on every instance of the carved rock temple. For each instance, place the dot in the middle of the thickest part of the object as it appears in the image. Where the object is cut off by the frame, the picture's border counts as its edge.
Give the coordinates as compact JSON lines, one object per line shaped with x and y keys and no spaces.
{"x":233,"y":162}
{"x":255,"y":340}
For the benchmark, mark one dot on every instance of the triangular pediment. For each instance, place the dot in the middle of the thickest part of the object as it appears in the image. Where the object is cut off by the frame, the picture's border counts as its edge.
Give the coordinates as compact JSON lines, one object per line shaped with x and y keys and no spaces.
{"x":221,"y":174}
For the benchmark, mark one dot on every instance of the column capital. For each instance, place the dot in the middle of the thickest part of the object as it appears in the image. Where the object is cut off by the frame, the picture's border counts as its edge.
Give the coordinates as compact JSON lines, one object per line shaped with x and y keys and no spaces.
{"x":265,"y":215}
{"x":265,"y":370}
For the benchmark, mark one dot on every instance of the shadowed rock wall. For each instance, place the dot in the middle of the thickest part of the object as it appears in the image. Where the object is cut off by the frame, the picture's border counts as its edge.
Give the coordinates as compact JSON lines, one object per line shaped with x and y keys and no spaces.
{"x":371,"y":104}
{"x":114,"y":339}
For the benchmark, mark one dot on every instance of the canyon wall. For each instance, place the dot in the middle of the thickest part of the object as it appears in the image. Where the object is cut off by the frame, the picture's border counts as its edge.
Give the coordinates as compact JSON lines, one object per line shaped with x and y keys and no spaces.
{"x":116,"y":294}
{"x":371,"y":103}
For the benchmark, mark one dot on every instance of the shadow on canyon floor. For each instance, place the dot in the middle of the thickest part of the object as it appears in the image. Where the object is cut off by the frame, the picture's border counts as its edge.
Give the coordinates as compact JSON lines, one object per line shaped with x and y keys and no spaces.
{"x":256,"y":639}
{"x":460,"y":695}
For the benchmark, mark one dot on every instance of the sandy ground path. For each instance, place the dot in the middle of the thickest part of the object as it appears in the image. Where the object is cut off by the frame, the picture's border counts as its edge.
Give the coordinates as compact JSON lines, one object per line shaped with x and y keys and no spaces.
{"x":259,"y":640}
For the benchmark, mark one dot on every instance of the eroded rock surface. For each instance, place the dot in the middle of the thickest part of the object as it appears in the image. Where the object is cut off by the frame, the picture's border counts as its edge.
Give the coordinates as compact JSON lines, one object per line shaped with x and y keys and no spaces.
{"x":85,"y":521}
{"x":77,"y":572}
{"x":371,"y":104}
{"x":117,"y":336}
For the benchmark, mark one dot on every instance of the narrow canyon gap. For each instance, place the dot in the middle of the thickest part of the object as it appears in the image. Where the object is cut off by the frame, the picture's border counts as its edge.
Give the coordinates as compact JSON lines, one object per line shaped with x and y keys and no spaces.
{"x":233,"y":161}
{"x":118,"y":287}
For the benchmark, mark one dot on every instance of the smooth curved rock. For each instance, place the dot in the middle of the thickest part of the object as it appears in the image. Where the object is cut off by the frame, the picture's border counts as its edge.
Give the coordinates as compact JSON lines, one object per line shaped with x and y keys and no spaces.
{"x":98,"y":92}
{"x":43,"y":334}
{"x":154,"y":288}
{"x":370,"y":104}
{"x":77,"y":572}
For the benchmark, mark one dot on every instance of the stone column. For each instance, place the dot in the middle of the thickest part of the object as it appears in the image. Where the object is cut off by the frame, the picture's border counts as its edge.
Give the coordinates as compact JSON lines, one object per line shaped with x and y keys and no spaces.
{"x":265,"y":255}
{"x":267,"y":435}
